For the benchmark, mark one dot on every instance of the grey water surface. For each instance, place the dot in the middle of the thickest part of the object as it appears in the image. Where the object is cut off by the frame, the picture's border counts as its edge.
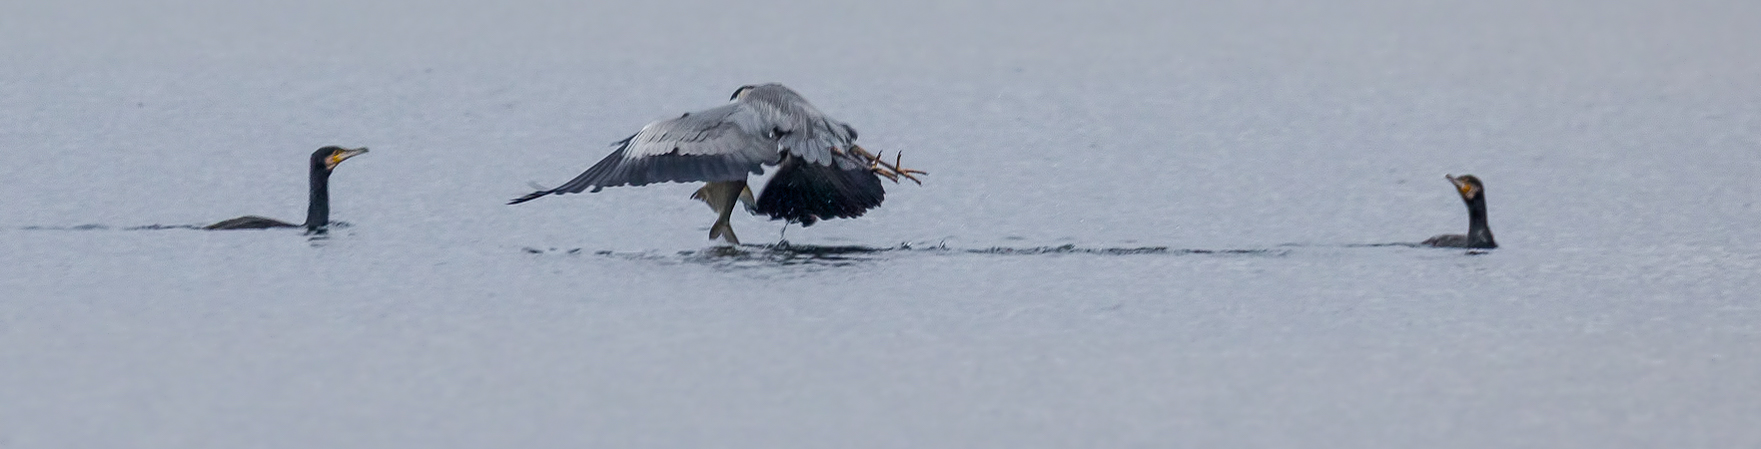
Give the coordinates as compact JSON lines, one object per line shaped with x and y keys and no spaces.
{"x":1147,"y":224}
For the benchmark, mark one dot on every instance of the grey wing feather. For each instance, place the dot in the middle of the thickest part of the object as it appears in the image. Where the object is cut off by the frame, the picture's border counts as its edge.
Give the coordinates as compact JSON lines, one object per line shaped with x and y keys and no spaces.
{"x":825,"y":142}
{"x":720,"y":144}
{"x":802,"y":129}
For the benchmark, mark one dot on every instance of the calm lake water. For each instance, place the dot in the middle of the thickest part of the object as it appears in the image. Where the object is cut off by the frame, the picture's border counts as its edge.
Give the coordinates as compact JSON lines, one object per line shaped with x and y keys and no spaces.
{"x":1147,"y":224}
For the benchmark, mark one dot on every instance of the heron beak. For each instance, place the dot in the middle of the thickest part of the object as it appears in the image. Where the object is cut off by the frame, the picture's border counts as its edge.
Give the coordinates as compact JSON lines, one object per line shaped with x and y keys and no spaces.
{"x":331,"y":162}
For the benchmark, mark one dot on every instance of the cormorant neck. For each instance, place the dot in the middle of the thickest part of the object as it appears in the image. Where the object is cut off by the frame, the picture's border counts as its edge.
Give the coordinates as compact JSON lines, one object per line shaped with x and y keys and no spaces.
{"x":1479,"y":233}
{"x":318,"y":204}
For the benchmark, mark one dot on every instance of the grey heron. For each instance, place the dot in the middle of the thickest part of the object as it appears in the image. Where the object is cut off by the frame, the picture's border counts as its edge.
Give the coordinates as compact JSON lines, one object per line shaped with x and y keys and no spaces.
{"x":815,"y":169}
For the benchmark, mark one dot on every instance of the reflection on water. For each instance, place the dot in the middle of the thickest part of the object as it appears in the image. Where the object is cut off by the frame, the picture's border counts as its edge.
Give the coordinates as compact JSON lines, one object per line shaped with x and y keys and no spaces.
{"x":84,"y":227}
{"x":157,"y":227}
{"x":151,"y":227}
{"x":1118,"y":251}
{"x":1470,"y":252}
{"x":746,"y":256}
{"x":785,"y":254}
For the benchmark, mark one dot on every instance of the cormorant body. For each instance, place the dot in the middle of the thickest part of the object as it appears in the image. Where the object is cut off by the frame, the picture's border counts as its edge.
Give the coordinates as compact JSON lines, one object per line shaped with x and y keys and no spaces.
{"x":1479,"y":233}
{"x":323,"y":161}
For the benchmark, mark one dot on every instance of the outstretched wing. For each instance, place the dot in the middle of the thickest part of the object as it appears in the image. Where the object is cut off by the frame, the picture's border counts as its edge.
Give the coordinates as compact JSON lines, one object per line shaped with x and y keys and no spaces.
{"x":721,"y":144}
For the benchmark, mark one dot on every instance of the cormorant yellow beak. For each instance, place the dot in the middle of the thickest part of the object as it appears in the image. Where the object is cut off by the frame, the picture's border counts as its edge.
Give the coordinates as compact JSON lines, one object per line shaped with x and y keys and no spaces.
{"x":338,"y":156}
{"x":1467,"y":190}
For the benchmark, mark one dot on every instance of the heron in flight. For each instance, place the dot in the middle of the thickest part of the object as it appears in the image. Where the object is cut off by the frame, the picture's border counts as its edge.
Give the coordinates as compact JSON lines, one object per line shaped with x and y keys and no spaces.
{"x":815,"y":169}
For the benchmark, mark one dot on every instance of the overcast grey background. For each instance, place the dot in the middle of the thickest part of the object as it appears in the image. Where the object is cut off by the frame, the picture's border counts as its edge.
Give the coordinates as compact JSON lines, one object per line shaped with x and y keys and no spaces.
{"x":1139,"y":229}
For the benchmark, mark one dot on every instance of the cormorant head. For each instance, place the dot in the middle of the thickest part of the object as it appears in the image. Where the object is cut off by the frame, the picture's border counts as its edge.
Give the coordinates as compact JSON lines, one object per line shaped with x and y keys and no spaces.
{"x":329,"y":157}
{"x":1468,"y":185}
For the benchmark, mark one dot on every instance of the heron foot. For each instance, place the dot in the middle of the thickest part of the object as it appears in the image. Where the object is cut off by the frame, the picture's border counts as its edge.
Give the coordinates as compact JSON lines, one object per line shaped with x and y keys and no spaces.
{"x":890,"y":171}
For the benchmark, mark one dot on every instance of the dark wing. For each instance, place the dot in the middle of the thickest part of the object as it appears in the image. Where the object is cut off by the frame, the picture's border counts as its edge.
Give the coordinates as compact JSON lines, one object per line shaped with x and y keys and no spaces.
{"x":249,"y":222}
{"x":805,"y":192}
{"x":1447,"y":241}
{"x":720,"y":144}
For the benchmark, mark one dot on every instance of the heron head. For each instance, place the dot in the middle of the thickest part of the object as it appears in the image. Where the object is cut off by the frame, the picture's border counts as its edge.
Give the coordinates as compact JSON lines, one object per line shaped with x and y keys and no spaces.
{"x":1468,"y":185}
{"x":741,"y":92}
{"x":331,"y":156}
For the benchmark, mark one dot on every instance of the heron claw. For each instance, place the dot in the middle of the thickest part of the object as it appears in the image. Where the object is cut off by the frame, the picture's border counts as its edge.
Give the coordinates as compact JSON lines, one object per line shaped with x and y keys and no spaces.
{"x":874,"y":164}
{"x":890,"y":171}
{"x":905,"y":172}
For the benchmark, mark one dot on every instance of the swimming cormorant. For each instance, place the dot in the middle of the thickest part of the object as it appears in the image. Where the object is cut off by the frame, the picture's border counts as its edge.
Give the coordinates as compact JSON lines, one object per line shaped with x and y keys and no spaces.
{"x":817,"y":170}
{"x":1479,"y":234}
{"x":317,"y":208}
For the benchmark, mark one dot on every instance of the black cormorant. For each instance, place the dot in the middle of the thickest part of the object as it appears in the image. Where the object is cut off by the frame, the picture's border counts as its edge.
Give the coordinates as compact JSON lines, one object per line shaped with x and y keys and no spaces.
{"x":318,"y":207}
{"x":1479,"y":235}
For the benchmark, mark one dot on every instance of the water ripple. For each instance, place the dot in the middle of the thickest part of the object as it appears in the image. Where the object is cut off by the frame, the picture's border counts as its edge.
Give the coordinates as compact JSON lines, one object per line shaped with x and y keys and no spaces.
{"x":832,"y":256}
